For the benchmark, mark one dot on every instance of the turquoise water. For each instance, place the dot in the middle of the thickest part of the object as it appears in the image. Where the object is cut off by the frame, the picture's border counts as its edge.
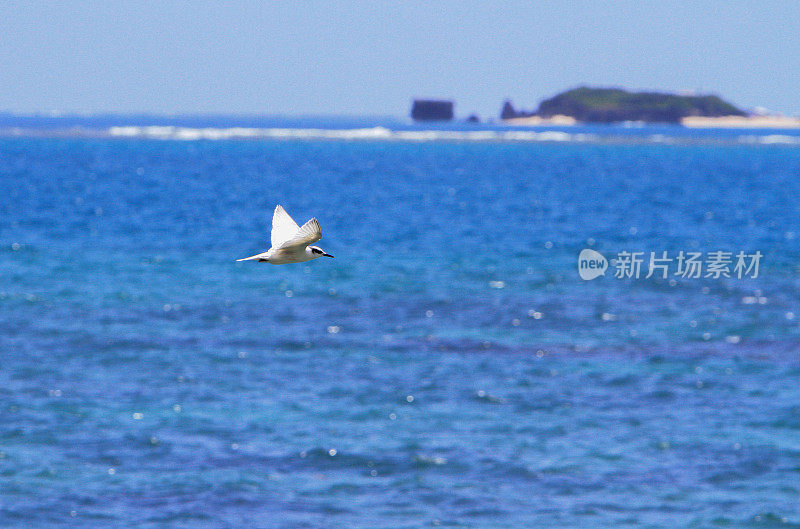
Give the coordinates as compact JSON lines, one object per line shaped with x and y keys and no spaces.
{"x":449,"y":367}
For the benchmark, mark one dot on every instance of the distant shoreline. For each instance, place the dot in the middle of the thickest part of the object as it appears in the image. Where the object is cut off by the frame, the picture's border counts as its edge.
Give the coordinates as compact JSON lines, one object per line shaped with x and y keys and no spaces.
{"x":741,"y":122}
{"x":692,"y":122}
{"x":559,"y":120}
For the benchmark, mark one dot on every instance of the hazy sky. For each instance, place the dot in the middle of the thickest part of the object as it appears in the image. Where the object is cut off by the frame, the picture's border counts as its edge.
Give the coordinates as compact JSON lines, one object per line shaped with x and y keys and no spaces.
{"x":348,"y":57}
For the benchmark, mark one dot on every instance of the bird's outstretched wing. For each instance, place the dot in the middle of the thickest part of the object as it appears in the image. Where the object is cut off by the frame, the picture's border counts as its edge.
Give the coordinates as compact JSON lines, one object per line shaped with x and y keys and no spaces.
{"x":309,"y":233}
{"x":283,"y":227}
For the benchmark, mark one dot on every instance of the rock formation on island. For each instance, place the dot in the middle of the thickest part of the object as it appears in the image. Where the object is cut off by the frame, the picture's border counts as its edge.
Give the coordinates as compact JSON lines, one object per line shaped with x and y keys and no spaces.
{"x":432,"y":110}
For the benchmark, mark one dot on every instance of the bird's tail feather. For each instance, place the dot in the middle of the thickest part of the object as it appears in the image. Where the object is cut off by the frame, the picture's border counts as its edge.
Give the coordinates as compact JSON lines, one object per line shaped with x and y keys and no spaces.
{"x":253,"y":257}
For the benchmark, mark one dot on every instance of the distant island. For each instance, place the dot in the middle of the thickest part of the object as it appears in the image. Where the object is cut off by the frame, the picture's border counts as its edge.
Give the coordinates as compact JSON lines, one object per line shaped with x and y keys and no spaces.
{"x":614,"y":105}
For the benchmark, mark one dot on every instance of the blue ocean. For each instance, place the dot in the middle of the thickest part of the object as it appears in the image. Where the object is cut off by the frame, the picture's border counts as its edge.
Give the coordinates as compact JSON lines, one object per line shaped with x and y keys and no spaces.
{"x":449,"y":367}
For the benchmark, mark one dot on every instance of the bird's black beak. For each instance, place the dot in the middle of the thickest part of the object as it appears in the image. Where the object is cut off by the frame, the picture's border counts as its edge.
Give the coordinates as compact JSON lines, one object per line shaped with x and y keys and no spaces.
{"x":327,"y":255}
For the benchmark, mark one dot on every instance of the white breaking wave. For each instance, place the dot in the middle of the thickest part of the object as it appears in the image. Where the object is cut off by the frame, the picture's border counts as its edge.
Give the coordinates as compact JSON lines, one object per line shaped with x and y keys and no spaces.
{"x":772,"y":139}
{"x":385,"y":134}
{"x":373,"y":133}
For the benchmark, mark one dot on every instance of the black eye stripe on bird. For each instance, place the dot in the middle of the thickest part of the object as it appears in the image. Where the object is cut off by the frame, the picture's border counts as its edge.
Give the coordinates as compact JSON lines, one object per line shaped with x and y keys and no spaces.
{"x":290,"y":242}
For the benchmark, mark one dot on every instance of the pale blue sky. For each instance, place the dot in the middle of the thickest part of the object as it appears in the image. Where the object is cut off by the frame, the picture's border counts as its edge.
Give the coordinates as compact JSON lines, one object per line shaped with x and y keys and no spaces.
{"x":367,"y":58}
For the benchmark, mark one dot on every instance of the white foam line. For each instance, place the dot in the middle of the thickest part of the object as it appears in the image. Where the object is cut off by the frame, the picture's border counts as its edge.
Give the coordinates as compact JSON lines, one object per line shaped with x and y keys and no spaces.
{"x":384,"y":134}
{"x":771,"y":139}
{"x":374,"y":133}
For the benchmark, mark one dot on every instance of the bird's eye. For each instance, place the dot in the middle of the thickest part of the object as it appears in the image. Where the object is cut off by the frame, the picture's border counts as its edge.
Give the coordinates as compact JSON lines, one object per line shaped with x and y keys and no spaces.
{"x":314,"y":250}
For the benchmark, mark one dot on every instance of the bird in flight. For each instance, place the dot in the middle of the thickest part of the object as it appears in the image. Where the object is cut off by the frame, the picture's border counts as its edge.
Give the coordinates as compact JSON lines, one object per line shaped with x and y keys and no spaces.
{"x":290,"y":242}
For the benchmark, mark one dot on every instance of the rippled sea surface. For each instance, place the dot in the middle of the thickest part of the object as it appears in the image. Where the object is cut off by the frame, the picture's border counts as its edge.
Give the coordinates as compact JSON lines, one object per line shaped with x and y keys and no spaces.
{"x":448,"y":368}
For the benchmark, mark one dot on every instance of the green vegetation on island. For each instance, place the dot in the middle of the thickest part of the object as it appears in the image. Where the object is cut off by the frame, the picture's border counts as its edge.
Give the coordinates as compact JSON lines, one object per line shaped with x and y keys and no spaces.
{"x":609,"y":105}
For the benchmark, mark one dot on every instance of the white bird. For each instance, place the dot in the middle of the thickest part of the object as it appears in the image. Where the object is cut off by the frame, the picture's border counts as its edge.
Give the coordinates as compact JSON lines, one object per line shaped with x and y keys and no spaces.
{"x":290,"y":242}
